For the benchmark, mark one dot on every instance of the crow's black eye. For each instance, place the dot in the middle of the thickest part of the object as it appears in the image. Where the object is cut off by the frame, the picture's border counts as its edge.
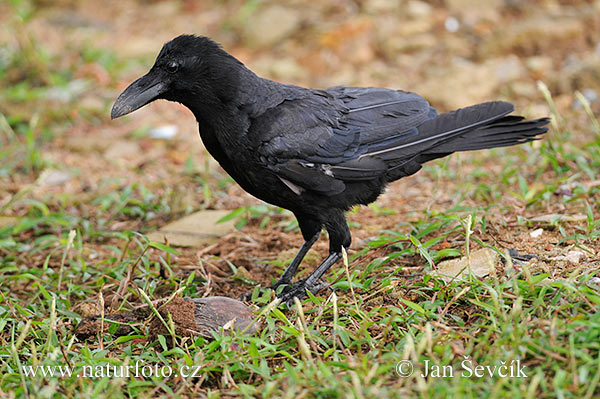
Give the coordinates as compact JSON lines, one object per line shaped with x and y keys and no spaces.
{"x":172,"y":67}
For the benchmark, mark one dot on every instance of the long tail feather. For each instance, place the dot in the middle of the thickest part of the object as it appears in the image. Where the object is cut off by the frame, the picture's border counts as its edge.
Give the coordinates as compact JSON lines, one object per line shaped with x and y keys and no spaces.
{"x":445,"y":127}
{"x":478,"y":127}
{"x":504,"y":132}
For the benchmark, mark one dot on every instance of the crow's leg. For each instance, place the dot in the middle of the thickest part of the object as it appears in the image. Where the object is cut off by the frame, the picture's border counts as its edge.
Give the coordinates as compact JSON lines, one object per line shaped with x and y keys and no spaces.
{"x":290,"y":271}
{"x":339,"y":235}
{"x":311,"y":230}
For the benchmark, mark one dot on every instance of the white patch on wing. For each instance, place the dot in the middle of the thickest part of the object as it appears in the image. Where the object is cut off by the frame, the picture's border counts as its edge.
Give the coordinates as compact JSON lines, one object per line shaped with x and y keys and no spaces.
{"x":294,"y":187}
{"x":327,"y":170}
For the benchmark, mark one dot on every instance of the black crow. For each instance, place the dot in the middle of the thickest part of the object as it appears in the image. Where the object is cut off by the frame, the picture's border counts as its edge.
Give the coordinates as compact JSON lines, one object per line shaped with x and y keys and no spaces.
{"x":314,"y":152}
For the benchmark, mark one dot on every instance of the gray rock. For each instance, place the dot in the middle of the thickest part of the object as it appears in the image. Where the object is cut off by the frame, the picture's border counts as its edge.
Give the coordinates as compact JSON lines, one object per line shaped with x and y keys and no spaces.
{"x":53,"y":177}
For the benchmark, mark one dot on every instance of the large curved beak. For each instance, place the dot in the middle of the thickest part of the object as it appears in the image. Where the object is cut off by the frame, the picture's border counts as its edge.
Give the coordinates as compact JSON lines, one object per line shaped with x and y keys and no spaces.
{"x":141,"y":92}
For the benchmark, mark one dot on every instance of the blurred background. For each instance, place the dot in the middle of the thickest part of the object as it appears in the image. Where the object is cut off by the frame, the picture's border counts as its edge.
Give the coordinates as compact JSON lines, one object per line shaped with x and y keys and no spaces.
{"x":62,"y":64}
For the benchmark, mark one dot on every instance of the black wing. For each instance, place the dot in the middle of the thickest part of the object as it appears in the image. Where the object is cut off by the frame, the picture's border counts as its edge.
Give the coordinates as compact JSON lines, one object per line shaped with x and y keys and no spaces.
{"x":322,"y":139}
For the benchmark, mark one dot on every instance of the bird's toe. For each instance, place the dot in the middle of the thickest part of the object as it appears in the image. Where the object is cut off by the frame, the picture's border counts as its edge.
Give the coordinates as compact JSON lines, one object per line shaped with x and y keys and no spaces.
{"x":299,"y":289}
{"x":246,"y":297}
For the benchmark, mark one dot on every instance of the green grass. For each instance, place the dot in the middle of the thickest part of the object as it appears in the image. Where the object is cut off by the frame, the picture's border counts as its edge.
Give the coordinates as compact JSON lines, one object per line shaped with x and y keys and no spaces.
{"x":61,"y":250}
{"x":341,"y":348}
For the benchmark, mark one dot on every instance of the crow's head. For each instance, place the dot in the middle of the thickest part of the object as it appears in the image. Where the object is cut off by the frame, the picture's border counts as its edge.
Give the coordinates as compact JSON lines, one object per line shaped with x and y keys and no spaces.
{"x":192,"y":70}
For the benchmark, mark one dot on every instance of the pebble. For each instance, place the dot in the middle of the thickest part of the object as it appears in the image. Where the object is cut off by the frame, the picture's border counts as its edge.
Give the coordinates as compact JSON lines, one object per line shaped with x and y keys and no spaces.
{"x":165,"y":132}
{"x":53,"y":177}
{"x":536,"y":233}
{"x":451,"y":24}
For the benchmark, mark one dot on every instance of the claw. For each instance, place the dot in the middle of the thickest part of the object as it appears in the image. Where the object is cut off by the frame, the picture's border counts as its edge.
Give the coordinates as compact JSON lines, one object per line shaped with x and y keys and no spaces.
{"x":287,"y":294}
{"x":248,"y":295}
{"x":312,"y":283}
{"x":298,"y":290}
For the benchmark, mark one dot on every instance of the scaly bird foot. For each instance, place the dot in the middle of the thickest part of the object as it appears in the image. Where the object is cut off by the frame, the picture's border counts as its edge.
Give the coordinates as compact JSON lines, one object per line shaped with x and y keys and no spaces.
{"x":248,"y":295}
{"x":298,"y":290}
{"x":288,"y":292}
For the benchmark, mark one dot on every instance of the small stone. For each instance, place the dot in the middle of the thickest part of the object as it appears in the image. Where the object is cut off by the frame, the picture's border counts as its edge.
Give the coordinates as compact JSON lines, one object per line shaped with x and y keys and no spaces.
{"x":163,"y":132}
{"x":451,"y":24}
{"x":539,"y":63}
{"x":194,"y":230}
{"x":53,"y":177}
{"x":575,"y":256}
{"x":594,"y":280}
{"x":270,"y":25}
{"x":536,"y":233}
{"x":480,"y":263}
{"x":571,"y":257}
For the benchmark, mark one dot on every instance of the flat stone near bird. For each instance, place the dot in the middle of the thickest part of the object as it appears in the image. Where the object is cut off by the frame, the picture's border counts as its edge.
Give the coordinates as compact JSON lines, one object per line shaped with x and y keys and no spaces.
{"x":194,"y":230}
{"x":480,"y":263}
